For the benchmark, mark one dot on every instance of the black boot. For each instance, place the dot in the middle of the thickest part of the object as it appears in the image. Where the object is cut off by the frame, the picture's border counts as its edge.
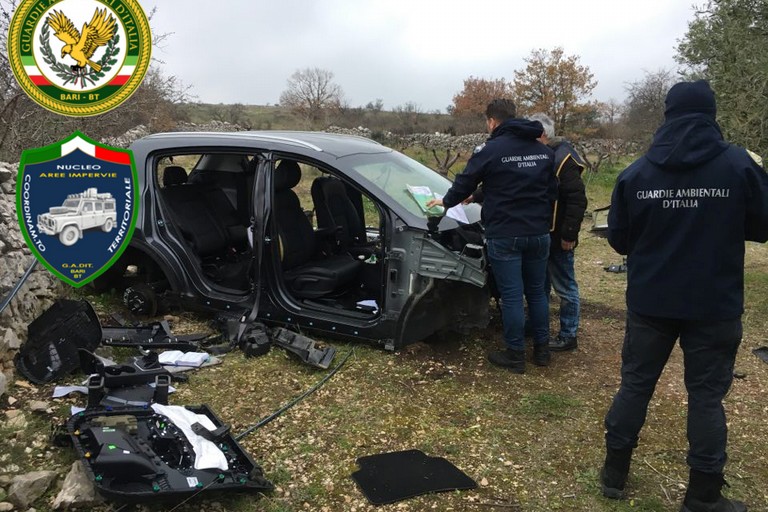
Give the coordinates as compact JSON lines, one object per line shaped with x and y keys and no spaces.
{"x":563,"y":343}
{"x":541,"y":355}
{"x":703,"y":494}
{"x":512,"y":359}
{"x":613,"y":476}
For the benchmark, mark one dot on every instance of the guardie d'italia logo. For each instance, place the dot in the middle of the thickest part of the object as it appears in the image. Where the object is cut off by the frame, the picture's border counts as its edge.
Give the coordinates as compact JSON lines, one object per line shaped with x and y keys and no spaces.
{"x":79,"y":57}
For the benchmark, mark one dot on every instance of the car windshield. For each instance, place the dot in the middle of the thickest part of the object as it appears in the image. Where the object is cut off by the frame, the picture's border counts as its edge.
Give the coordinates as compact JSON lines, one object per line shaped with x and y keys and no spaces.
{"x":71,"y":203}
{"x":407,"y":181}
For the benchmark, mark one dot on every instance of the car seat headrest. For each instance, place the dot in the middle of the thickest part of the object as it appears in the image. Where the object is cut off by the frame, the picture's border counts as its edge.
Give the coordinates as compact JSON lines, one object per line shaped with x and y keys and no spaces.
{"x":174,"y":175}
{"x":287,"y":175}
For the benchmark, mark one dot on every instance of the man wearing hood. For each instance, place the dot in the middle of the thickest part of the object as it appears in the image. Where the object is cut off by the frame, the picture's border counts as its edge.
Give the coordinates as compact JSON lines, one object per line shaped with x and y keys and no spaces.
{"x":516,"y":171}
{"x":681,"y":214}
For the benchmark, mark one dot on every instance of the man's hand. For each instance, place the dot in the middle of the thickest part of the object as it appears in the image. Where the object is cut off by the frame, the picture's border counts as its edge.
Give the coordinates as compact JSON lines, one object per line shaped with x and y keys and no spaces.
{"x":434,"y":202}
{"x":469,"y":200}
{"x":567,"y":246}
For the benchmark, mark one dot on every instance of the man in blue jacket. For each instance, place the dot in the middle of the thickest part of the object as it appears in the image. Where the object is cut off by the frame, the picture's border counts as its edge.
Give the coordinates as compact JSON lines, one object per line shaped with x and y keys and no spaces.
{"x":519,"y":185}
{"x":681,"y":214}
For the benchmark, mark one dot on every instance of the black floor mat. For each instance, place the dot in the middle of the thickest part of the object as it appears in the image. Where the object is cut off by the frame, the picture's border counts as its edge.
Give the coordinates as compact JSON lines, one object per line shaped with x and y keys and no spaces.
{"x":390,"y":477}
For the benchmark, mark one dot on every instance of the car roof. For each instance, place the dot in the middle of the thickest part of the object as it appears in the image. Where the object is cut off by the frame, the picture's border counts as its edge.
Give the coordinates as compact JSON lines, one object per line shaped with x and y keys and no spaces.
{"x":333,"y":144}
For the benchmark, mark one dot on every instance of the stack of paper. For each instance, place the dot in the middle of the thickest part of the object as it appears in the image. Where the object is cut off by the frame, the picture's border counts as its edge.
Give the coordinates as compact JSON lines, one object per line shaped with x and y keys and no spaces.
{"x":179,"y":358}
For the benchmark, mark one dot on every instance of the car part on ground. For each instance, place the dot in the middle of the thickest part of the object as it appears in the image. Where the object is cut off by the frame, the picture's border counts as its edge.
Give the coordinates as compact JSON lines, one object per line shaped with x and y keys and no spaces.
{"x":307,"y":349}
{"x":391,"y":477}
{"x":135,"y":455}
{"x":155,"y":335}
{"x":54,"y":338}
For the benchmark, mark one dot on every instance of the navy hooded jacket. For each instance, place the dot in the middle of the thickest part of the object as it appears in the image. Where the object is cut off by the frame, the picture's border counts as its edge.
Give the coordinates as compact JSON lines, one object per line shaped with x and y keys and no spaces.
{"x":682,"y":213}
{"x":519,"y":183}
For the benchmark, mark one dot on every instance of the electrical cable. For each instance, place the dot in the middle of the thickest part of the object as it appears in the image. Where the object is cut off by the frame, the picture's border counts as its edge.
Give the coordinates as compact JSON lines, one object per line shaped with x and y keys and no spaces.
{"x":7,"y":300}
{"x":296,"y":400}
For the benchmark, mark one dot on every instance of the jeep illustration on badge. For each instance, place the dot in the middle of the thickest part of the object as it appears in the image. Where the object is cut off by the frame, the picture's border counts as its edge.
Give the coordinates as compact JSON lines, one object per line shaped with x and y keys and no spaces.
{"x":79,"y":57}
{"x":77,"y":213}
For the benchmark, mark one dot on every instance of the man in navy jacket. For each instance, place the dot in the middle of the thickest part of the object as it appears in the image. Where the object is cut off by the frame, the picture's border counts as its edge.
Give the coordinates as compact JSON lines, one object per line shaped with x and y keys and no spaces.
{"x":519,"y":185}
{"x":681,"y":214}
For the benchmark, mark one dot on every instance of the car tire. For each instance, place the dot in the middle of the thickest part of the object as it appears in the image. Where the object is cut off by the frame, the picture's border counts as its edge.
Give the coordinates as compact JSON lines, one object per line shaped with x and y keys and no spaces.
{"x":141,"y":299}
{"x":69,"y":235}
{"x":107,"y":226}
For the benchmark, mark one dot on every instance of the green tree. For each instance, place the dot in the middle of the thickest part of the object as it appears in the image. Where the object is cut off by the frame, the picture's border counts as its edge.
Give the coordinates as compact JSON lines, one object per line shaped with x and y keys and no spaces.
{"x":556,"y":84}
{"x":726,"y":44}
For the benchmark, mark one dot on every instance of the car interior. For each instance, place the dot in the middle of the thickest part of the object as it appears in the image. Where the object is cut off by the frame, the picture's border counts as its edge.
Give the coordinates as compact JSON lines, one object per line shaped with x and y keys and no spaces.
{"x":328,"y":233}
{"x":329,"y":240}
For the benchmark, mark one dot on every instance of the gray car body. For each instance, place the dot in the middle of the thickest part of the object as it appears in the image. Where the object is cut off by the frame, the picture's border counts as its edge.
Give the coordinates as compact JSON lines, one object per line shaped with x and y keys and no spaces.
{"x":428,"y":287}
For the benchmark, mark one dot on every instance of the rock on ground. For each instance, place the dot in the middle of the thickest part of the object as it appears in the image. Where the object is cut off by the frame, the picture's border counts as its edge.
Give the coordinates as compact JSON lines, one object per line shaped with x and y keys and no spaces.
{"x":6,"y":507}
{"x":77,"y":491}
{"x":25,"y":489}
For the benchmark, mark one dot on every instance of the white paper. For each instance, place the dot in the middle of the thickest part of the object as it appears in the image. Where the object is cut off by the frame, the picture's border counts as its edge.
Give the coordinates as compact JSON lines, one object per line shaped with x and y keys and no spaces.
{"x":179,"y":358}
{"x":75,"y":410}
{"x":207,"y":454}
{"x":456,"y":213}
{"x":369,"y":303}
{"x":60,"y":391}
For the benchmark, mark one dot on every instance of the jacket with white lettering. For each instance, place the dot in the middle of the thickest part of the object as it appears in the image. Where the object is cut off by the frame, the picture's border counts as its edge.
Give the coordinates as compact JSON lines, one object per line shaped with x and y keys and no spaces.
{"x":681,"y":213}
{"x":518,"y":180}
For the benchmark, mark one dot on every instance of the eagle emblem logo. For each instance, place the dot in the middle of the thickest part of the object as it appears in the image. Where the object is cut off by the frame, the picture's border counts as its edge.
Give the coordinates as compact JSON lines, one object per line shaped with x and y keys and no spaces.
{"x":79,"y":57}
{"x":82,"y":45}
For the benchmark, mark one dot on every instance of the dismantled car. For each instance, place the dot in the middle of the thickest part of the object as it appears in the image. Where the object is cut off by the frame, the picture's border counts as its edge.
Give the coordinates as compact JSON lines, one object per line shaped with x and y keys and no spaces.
{"x":318,"y":232}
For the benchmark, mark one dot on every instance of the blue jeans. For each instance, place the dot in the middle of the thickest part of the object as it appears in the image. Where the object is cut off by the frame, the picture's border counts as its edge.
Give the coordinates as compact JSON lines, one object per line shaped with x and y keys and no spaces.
{"x":562,"y":277}
{"x":709,"y":351}
{"x":519,"y":266}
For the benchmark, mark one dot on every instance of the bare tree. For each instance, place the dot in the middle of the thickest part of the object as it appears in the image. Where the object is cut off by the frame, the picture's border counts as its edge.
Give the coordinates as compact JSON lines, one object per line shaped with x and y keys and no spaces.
{"x":408,"y":116}
{"x":311,"y":93}
{"x":645,"y":104}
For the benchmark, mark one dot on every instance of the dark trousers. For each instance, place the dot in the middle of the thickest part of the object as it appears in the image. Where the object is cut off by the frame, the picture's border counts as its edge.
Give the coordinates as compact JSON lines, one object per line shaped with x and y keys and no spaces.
{"x":709,"y":351}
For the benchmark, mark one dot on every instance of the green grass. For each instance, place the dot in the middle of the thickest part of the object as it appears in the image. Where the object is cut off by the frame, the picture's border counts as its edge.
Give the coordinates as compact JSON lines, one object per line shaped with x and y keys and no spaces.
{"x":548,"y":405}
{"x":533,"y":442}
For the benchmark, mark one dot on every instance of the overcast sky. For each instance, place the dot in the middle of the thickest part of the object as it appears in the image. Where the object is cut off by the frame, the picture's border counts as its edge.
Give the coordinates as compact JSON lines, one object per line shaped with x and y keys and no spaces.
{"x":406,"y":50}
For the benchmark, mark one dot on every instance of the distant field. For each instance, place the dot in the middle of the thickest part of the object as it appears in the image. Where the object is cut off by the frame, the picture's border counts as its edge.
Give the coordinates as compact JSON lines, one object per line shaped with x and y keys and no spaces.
{"x":270,"y":117}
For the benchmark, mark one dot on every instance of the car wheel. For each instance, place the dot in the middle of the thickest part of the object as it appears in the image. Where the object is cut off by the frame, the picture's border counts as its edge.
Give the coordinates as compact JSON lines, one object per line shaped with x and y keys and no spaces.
{"x":69,"y":235}
{"x":108,"y":225}
{"x":141,"y":299}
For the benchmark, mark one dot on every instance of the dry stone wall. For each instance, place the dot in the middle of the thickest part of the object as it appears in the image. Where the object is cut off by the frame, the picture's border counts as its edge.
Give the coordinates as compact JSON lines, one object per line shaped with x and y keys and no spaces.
{"x":38,"y":292}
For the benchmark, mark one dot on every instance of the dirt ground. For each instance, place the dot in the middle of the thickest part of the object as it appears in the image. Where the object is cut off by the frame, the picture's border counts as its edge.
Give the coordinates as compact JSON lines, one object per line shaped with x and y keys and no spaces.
{"x":532,"y":442}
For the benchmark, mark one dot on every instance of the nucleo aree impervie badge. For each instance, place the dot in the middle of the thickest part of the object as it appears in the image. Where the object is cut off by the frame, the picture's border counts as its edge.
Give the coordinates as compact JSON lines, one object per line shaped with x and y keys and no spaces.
{"x":77,"y":205}
{"x":79,"y":57}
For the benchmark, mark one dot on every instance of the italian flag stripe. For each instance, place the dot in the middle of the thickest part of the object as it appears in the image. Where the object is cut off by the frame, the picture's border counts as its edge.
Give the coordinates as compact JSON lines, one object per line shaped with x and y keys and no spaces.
{"x":131,"y":60}
{"x":116,"y":157}
{"x":39,"y":80}
{"x":88,"y":148}
{"x":28,"y":60}
{"x":120,"y":80}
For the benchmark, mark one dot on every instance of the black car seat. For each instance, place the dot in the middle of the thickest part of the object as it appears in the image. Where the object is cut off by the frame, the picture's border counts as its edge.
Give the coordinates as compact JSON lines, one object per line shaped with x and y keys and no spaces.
{"x":336,"y":213}
{"x":307,"y":273}
{"x":194,"y":211}
{"x":190,"y":213}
